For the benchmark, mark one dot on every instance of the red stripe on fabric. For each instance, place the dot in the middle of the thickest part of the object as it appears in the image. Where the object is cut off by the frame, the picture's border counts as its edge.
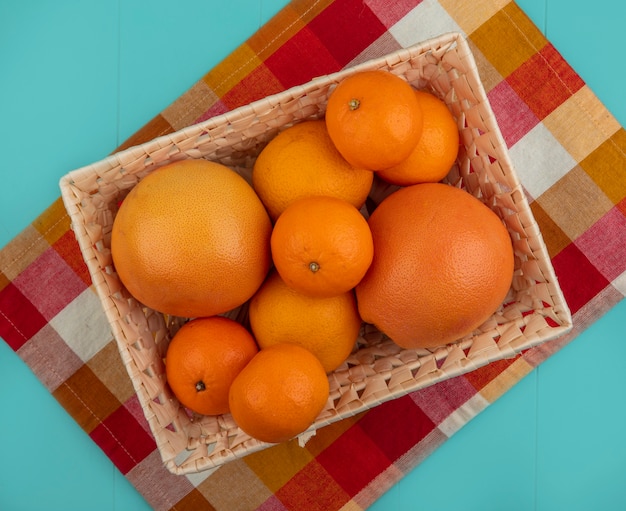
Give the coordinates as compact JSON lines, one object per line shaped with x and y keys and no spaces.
{"x":604,"y":243}
{"x":123,"y":439}
{"x":345,"y":28}
{"x":272,"y":504}
{"x":260,"y":83}
{"x":545,"y":81}
{"x":389,"y":13}
{"x":51,"y":270}
{"x":19,"y":318}
{"x":67,"y":247}
{"x":442,"y":399}
{"x":515,"y":119}
{"x":396,"y":426}
{"x":621,"y":206}
{"x":217,"y":108}
{"x":133,"y":405}
{"x":296,"y":493}
{"x":355,"y":459}
{"x":300,"y":59}
{"x":580,"y":280}
{"x":484,"y":375}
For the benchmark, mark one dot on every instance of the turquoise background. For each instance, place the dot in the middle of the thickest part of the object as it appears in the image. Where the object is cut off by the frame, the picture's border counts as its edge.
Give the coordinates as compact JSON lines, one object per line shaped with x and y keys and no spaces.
{"x":77,"y":78}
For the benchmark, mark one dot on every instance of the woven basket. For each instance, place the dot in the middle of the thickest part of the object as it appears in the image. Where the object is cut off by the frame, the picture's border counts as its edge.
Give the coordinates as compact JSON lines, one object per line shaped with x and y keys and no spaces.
{"x":377,"y":370}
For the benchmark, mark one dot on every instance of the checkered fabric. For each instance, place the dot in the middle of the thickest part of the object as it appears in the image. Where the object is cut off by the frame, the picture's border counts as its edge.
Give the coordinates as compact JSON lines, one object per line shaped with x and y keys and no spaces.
{"x":569,"y":153}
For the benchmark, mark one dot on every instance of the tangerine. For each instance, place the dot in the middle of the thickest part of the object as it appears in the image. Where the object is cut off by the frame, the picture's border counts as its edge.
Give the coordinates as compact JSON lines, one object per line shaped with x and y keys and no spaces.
{"x":327,"y":327}
{"x":192,"y":239}
{"x":374,"y":119}
{"x":321,"y":246}
{"x":436,"y":150}
{"x":302,"y":161}
{"x":203,"y":359}
{"x":440,"y":274}
{"x":279,"y":394}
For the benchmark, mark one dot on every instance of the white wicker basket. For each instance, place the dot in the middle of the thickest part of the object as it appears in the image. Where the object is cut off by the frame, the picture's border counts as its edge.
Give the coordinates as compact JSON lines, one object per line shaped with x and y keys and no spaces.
{"x":378,"y":370}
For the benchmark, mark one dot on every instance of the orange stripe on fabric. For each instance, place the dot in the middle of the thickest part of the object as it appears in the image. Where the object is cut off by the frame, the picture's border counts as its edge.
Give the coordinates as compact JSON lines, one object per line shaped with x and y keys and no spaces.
{"x":288,"y":22}
{"x":86,"y":399}
{"x":296,"y":495}
{"x":489,"y":75}
{"x":191,"y":105}
{"x":45,"y":230}
{"x":228,"y":73}
{"x":277,"y":465}
{"x":470,"y":15}
{"x":53,"y":222}
{"x":4,"y":281}
{"x":67,"y":247}
{"x":483,"y":375}
{"x":607,"y":166}
{"x":575,"y":202}
{"x":272,"y":36}
{"x":22,"y":251}
{"x":108,"y":367}
{"x":257,"y":84}
{"x":235,"y":486}
{"x":508,"y":39}
{"x":553,"y":236}
{"x":500,"y":383}
{"x":193,"y":501}
{"x":581,"y":123}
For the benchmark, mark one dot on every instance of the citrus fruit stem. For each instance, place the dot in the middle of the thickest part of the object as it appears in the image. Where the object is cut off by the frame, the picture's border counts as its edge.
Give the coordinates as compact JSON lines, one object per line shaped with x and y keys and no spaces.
{"x":314,"y":267}
{"x":353,"y":104}
{"x":200,"y":386}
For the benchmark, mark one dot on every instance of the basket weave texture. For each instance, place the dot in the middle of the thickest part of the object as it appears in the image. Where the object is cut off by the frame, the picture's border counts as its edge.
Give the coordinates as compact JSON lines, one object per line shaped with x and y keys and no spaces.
{"x":533,"y":312}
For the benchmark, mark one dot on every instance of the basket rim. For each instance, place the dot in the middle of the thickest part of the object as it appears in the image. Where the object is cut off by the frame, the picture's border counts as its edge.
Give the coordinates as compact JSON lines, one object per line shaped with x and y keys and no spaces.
{"x":402,"y":54}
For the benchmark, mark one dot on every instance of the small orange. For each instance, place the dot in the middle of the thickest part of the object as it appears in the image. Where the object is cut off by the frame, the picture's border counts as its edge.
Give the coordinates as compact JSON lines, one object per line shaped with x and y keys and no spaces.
{"x":321,"y":246}
{"x":192,"y":239}
{"x":374,"y":119}
{"x":302,"y":161}
{"x":443,"y":264}
{"x":328,"y":327}
{"x":279,"y":394}
{"x":203,"y":359}
{"x":436,"y":149}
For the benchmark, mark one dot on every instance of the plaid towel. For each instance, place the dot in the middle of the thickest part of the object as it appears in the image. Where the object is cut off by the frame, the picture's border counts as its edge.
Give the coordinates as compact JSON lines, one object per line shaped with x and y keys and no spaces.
{"x":568,"y":151}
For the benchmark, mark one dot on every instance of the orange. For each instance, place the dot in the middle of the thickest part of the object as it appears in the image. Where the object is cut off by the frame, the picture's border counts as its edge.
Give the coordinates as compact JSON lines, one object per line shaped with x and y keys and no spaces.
{"x":302,"y":161}
{"x":436,"y":150}
{"x":327,"y":327}
{"x":321,"y":246}
{"x":192,"y":239}
{"x":203,"y":359}
{"x":374,"y":119}
{"x":443,"y":264}
{"x":279,"y":394}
